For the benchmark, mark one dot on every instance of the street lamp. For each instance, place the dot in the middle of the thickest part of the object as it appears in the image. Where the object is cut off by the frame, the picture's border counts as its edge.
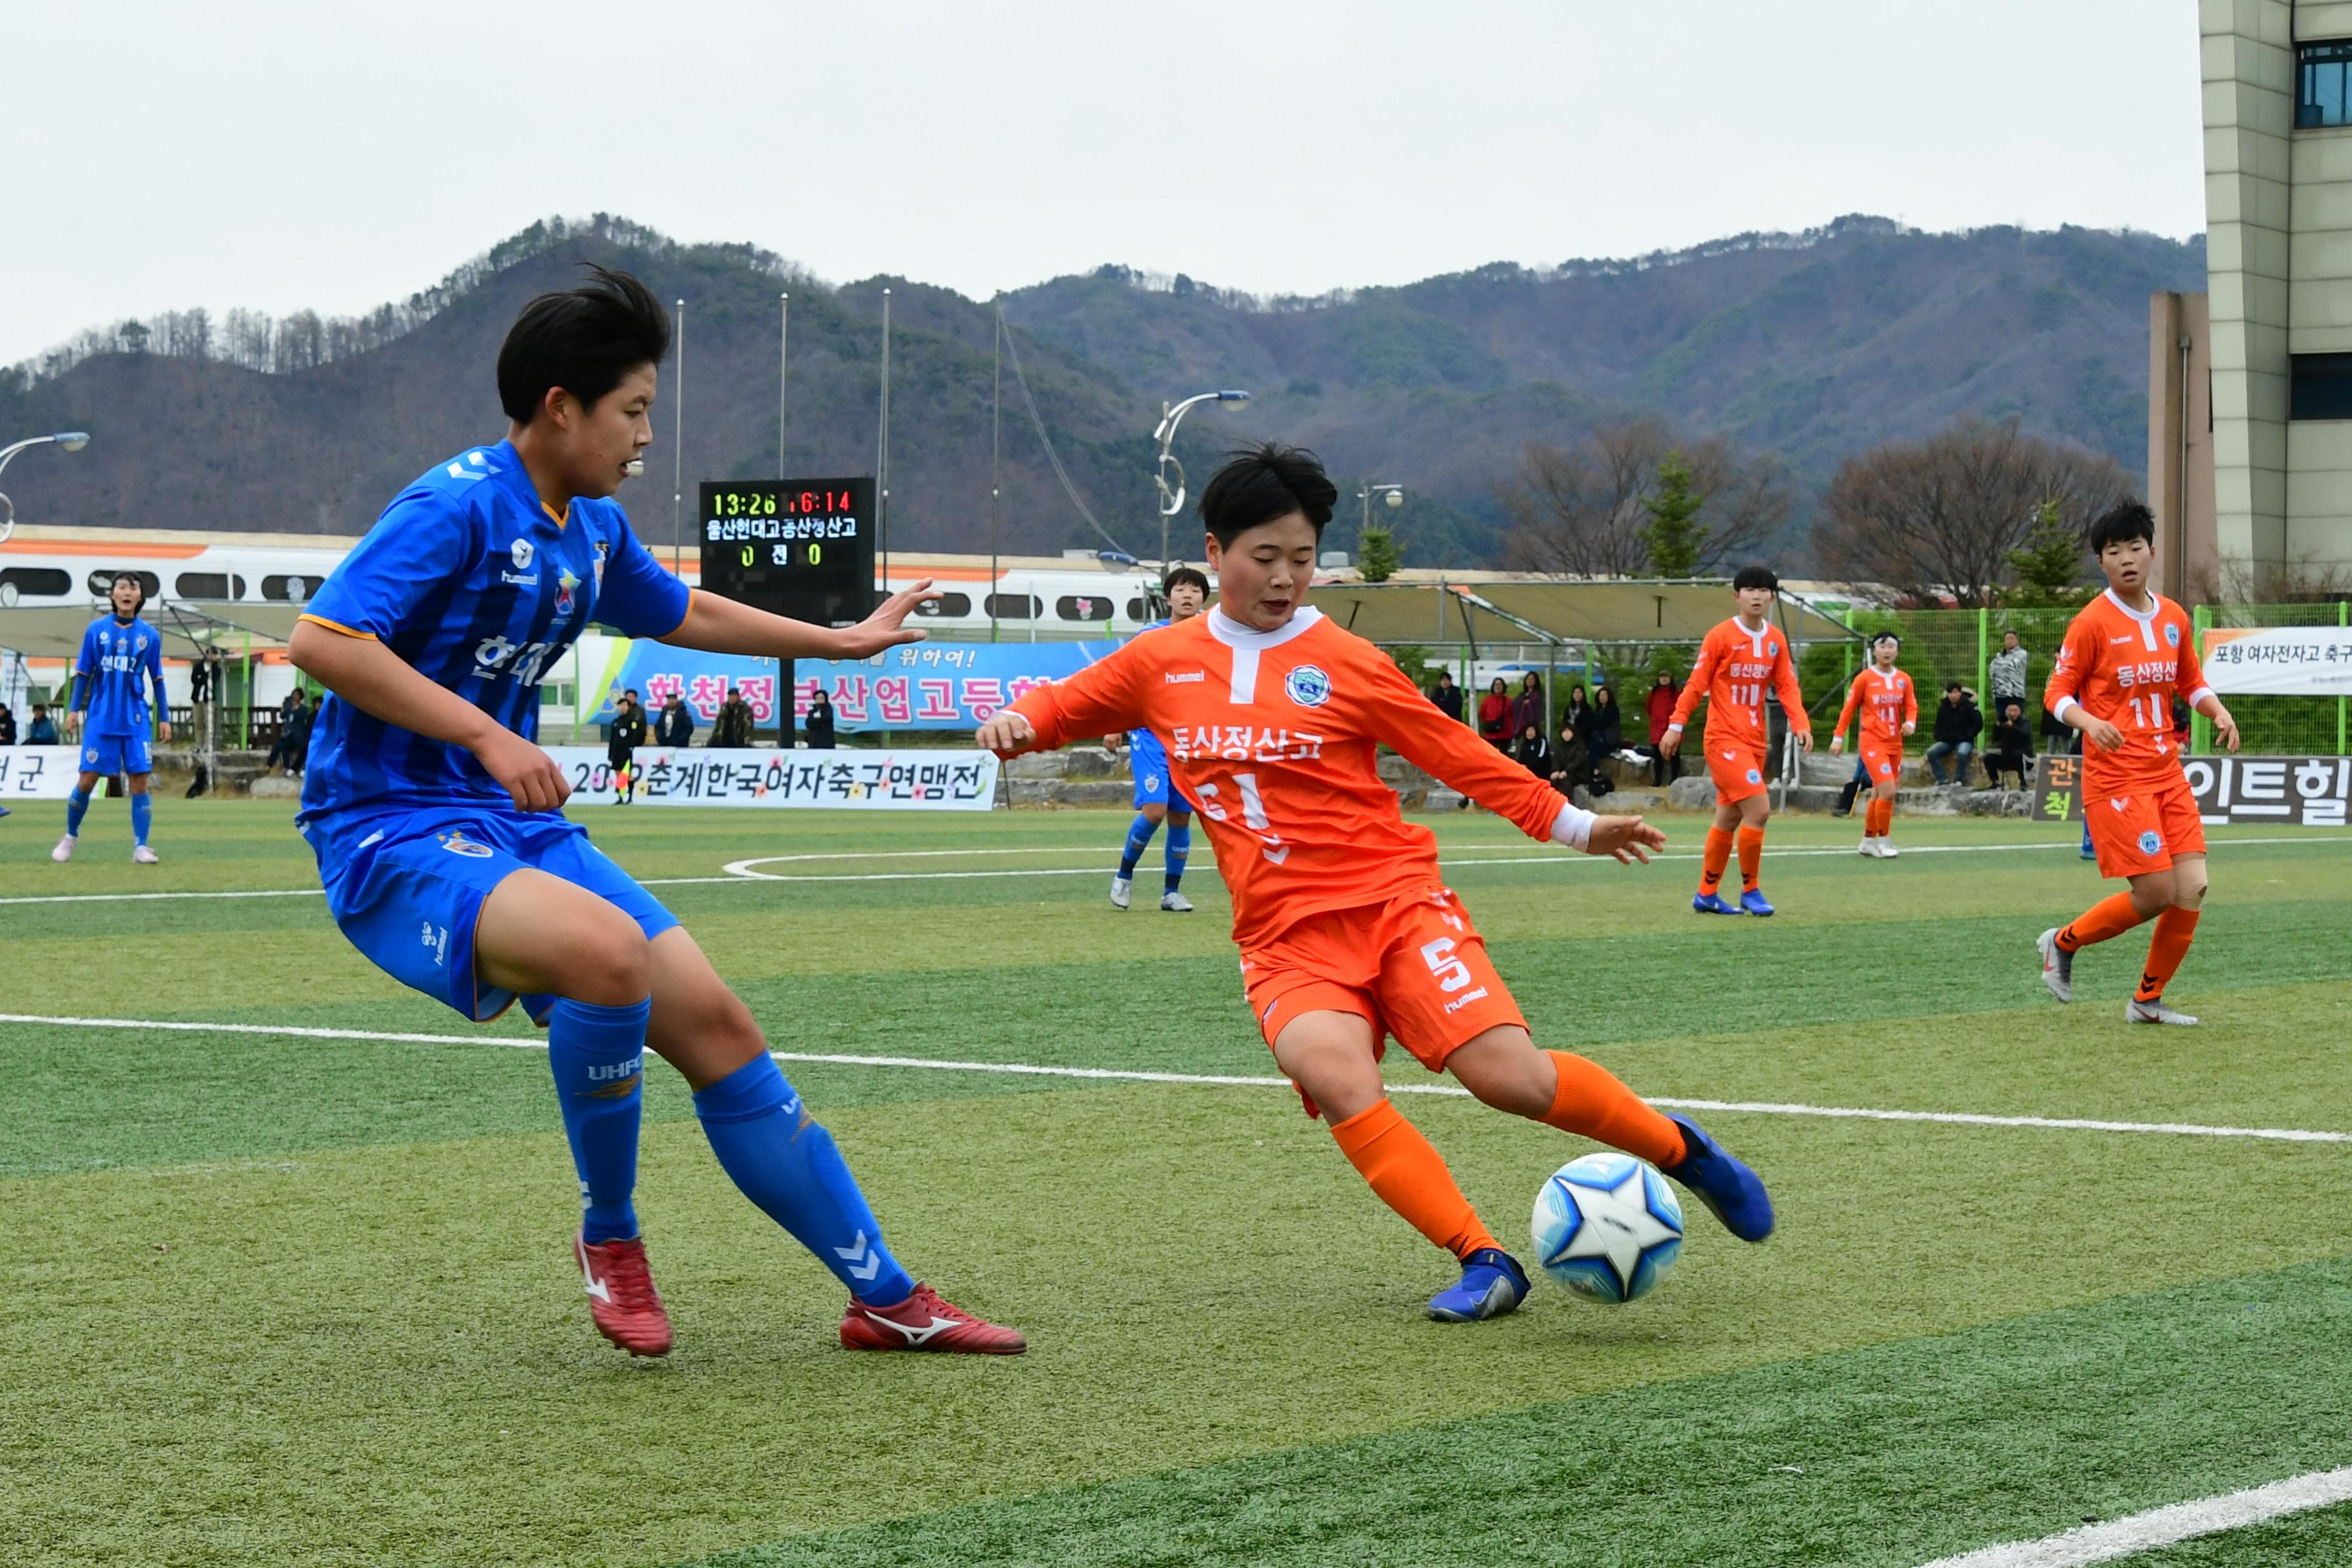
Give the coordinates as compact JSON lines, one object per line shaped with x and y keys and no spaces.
{"x":1171,"y":501}
{"x":1392,"y":494}
{"x":71,"y":440}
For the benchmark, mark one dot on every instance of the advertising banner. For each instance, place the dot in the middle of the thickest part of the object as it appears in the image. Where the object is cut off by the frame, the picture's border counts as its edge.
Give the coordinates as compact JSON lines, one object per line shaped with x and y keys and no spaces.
{"x":841,"y":780}
{"x":38,"y":773}
{"x":2306,"y":792}
{"x":923,"y":686}
{"x":2280,"y":661}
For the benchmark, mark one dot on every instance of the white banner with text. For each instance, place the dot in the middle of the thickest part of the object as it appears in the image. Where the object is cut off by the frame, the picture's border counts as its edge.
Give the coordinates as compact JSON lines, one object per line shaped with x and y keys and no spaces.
{"x":845,"y":779}
{"x":2280,"y":661}
{"x":38,"y":773}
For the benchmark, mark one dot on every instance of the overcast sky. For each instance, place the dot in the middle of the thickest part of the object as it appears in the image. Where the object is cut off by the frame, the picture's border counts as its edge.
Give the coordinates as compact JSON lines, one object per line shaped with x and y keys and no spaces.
{"x":162,"y":156}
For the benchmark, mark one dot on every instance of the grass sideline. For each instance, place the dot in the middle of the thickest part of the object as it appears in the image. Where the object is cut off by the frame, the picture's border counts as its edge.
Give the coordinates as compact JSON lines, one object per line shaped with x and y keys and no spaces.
{"x":290,"y":1300}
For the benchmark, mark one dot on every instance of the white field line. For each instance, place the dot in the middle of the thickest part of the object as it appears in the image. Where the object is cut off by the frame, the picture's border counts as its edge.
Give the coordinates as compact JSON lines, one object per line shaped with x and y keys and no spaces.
{"x":1130,"y":1075}
{"x":2163,"y":1526}
{"x":739,"y":871}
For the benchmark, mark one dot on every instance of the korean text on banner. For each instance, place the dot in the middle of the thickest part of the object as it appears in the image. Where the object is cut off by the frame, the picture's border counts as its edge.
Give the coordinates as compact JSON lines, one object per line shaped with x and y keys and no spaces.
{"x":2296,"y":792}
{"x":923,"y":686}
{"x":38,"y":773}
{"x":843,"y":779}
{"x":2280,"y":661}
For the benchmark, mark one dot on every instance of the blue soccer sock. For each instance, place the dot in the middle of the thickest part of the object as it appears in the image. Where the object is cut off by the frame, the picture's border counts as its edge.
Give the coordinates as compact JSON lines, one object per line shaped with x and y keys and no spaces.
{"x":77,"y":805}
{"x":1179,"y":849}
{"x":142,"y":815}
{"x":1139,"y":839}
{"x":789,"y":1166}
{"x":598,"y":1056}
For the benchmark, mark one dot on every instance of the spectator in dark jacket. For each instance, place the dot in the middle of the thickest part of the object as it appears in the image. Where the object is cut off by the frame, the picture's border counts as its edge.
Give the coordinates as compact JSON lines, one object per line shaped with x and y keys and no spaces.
{"x":1569,"y":766}
{"x":40,"y":731}
{"x":1495,"y":716}
{"x":7,"y":725}
{"x":1604,"y":733}
{"x":1528,"y":707}
{"x":1659,"y":704}
{"x":623,"y":736}
{"x":674,"y":725}
{"x":819,"y":723}
{"x":1532,"y":752}
{"x":293,"y":742}
{"x":1447,"y":696}
{"x":734,"y":727}
{"x":1575,"y":713}
{"x":2010,"y":748}
{"x":1958,"y":725}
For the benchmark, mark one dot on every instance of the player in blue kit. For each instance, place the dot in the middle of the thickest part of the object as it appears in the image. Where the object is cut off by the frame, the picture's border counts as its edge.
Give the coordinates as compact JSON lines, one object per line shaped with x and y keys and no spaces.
{"x":121,"y":655}
{"x":434,"y":813}
{"x":1157,"y":798}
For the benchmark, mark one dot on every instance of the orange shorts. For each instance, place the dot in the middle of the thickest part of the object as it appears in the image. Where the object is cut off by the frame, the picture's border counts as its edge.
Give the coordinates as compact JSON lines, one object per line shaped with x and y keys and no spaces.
{"x":1413,"y":967}
{"x":1883,"y":761}
{"x":1737,"y":771}
{"x":2143,"y":831}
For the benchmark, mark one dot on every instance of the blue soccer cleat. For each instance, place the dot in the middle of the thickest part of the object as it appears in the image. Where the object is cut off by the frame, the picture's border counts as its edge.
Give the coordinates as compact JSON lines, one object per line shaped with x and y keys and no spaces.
{"x":1492,"y":1284}
{"x":1754,"y":902}
{"x":1712,"y":904}
{"x":2088,"y":852}
{"x":1731,"y":1192}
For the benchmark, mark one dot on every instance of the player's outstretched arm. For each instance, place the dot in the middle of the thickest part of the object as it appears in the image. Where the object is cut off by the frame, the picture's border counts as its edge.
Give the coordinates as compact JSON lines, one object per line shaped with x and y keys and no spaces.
{"x":377,"y":681}
{"x":1096,"y":701}
{"x":716,"y":624}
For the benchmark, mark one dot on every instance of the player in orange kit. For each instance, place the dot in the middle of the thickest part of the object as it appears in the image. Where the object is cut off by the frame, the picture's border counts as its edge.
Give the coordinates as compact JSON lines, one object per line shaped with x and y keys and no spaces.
{"x":2126,"y":654}
{"x":1890,"y":710}
{"x":1272,"y":717}
{"x":1739,"y":660}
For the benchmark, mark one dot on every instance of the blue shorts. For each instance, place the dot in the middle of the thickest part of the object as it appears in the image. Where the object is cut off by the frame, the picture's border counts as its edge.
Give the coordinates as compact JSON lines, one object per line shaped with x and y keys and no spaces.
{"x":406,"y":888}
{"x":1153,"y":784}
{"x":111,"y":755}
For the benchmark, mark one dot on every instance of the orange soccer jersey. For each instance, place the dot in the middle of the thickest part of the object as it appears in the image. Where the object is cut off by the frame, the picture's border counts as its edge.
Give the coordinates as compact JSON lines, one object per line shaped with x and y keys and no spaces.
{"x":2124,"y":667}
{"x":1886,"y":702}
{"x":1734,"y":667}
{"x":1274,"y":734}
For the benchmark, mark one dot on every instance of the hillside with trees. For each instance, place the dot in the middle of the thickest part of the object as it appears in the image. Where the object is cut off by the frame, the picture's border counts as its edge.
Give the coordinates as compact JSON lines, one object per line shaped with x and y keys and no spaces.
{"x":1786,"y":353}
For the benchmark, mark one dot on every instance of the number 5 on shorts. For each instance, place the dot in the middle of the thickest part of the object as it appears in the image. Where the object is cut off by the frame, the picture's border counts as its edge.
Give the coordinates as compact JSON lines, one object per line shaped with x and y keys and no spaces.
{"x":1451,"y":974}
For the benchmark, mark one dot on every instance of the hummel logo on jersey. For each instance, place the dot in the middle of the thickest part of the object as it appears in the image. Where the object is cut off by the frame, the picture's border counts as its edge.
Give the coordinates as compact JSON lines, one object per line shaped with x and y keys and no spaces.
{"x":2121,"y":639}
{"x":1179,"y":677}
{"x":864,"y":1262}
{"x":521,"y":552}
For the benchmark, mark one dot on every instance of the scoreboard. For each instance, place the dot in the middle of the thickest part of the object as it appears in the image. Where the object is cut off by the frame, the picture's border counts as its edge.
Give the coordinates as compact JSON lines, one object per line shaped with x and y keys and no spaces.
{"x":802,"y":548}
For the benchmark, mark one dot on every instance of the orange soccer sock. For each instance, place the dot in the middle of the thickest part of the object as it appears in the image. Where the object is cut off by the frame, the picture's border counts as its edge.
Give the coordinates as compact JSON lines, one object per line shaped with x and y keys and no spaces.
{"x":1882,"y":817}
{"x":1411,"y":1177}
{"x":1713,"y":859}
{"x":2110,"y":917}
{"x":2175,"y":929}
{"x":1591,"y":1102}
{"x":1751,"y":856}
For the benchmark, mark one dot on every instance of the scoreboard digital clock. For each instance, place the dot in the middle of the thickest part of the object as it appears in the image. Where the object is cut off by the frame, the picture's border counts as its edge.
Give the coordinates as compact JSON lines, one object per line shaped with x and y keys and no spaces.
{"x":802,"y":548}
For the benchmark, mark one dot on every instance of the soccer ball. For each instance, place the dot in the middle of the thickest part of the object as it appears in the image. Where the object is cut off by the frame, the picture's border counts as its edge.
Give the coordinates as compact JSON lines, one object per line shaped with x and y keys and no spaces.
{"x":1607,"y":1226}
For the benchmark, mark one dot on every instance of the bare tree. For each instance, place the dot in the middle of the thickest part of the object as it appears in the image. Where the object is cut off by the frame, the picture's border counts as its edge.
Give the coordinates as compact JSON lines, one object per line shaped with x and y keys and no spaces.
{"x":1938,"y":518}
{"x":1578,"y":508}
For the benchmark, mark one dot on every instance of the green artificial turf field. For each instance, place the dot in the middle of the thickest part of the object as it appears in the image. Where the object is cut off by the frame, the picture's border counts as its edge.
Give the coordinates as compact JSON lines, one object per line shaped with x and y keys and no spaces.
{"x":277,"y":1298}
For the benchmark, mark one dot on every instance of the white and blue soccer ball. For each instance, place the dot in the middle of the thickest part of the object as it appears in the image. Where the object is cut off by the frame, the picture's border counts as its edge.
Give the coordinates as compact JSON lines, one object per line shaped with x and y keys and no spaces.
{"x":1608,"y":1228}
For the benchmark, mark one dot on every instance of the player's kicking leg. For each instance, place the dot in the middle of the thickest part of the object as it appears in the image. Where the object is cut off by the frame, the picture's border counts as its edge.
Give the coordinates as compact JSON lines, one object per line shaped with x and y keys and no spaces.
{"x":77,"y":808}
{"x":1738,"y":826}
{"x":1149,"y":814}
{"x":2165,"y":888}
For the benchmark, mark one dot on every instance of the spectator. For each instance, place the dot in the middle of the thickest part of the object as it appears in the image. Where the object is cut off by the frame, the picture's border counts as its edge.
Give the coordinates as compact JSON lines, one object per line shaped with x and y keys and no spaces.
{"x":1958,"y":725}
{"x":7,"y":725}
{"x":1854,"y":786}
{"x":293,"y":734}
{"x":623,"y":736}
{"x":1448,"y":697}
{"x":2010,"y":748}
{"x":1569,"y":764}
{"x":1532,"y":753}
{"x":1604,"y":731}
{"x":819,"y":723}
{"x":40,"y":731}
{"x":1528,"y":707}
{"x":733,"y":728}
{"x":2006,"y":674}
{"x":1660,"y":706}
{"x":1575,"y":713}
{"x":2060,"y":738}
{"x":1495,"y":716}
{"x":674,"y":725}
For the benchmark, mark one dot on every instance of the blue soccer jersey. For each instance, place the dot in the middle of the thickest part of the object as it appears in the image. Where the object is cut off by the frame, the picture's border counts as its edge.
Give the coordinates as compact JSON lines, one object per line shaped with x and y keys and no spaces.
{"x":111,"y":673}
{"x":475,"y":583}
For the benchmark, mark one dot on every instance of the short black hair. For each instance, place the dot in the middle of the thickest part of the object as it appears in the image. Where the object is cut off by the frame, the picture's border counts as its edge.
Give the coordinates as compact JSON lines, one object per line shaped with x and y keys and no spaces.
{"x":1954,"y":685}
{"x":1182,"y":575}
{"x":2122,"y":522}
{"x":1877,"y":637}
{"x":583,"y":339}
{"x":1756,"y":576}
{"x":1261,"y":483}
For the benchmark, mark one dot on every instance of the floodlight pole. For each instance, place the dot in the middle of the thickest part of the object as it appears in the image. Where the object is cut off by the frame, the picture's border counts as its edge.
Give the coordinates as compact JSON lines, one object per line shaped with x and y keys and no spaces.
{"x":882,"y":456}
{"x":995,"y":450}
{"x":677,"y":452}
{"x":71,"y":440}
{"x":784,"y":344}
{"x":1395,"y":497}
{"x":1171,"y":499}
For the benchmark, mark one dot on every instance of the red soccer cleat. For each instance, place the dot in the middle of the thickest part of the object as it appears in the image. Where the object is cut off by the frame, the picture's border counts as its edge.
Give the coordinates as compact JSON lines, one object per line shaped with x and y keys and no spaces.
{"x":924,"y":1321}
{"x":621,"y":1295}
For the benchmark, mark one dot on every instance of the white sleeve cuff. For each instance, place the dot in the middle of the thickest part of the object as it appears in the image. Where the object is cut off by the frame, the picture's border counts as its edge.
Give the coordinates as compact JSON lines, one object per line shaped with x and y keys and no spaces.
{"x":1572,"y":826}
{"x":2201,"y":693}
{"x":1674,"y":728}
{"x":2059,"y":712}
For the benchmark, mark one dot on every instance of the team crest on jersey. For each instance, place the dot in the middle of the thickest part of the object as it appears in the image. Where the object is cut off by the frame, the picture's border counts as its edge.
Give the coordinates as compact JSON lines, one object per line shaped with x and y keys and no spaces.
{"x":565,"y":583}
{"x":2151,"y":842}
{"x":1755,"y":777}
{"x":2171,"y":635}
{"x":1308,"y":686}
{"x":457,"y":843}
{"x":602,"y":549}
{"x":521,"y":552}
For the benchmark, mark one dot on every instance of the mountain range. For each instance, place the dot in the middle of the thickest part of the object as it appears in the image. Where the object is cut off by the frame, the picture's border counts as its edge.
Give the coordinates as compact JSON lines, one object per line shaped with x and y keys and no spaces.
{"x":1814,"y":345}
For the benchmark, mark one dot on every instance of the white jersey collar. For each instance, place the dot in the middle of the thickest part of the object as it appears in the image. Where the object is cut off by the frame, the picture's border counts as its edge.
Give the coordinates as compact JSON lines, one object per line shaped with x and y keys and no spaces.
{"x":2155,"y":606}
{"x":1233,"y":633}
